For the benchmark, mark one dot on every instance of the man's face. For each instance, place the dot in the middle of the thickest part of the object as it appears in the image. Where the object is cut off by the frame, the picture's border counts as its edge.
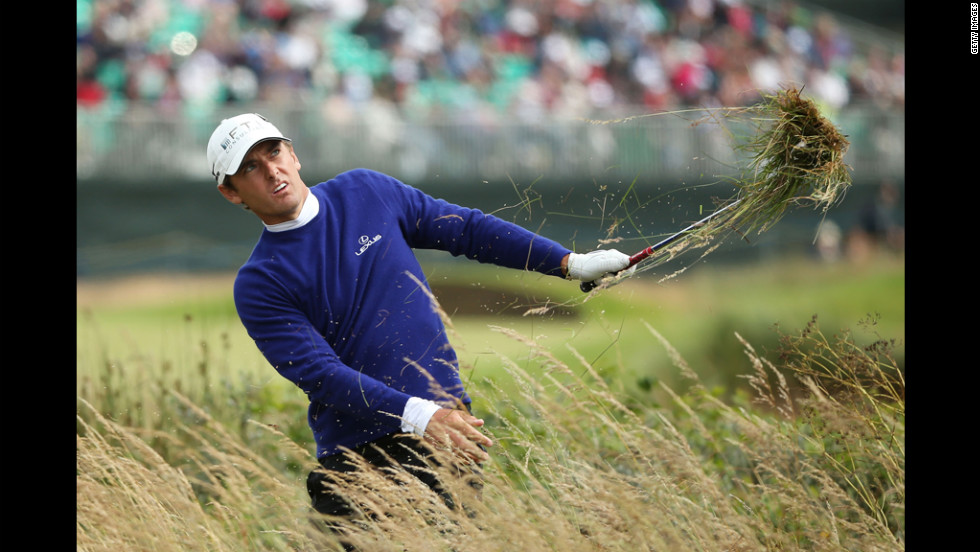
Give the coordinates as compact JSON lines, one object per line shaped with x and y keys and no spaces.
{"x":268,"y":182}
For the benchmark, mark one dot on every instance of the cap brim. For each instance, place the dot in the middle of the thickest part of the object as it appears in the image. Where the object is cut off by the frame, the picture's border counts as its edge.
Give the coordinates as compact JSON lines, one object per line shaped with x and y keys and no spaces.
{"x":236,"y":161}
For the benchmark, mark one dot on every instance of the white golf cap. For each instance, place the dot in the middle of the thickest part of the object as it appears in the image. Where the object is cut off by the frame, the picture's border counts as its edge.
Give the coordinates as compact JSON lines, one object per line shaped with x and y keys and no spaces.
{"x":233,"y":138}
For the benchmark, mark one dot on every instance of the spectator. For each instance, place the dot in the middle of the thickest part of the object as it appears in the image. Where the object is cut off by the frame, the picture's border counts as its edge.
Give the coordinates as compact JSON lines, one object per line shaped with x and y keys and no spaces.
{"x":89,"y":92}
{"x":877,"y":227}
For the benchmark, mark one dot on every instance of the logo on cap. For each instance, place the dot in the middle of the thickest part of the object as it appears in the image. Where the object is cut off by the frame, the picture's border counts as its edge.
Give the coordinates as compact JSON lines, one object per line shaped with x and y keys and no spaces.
{"x":237,"y":133}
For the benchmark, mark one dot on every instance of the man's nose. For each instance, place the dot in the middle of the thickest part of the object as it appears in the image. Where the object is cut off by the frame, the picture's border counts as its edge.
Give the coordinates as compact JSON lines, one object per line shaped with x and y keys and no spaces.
{"x":271,"y":169}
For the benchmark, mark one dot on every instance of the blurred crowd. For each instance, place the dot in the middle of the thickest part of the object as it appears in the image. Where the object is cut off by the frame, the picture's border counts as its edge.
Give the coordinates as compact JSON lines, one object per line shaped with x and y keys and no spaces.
{"x":527,"y":58}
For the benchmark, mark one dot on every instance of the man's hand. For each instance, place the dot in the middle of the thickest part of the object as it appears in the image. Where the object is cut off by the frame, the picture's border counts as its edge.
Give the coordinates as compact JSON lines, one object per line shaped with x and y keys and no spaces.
{"x":457,"y":430}
{"x":596,"y":264}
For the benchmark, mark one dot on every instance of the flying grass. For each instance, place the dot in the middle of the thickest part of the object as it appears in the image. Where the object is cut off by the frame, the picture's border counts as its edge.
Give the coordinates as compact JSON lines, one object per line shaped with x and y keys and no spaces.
{"x":795,"y":158}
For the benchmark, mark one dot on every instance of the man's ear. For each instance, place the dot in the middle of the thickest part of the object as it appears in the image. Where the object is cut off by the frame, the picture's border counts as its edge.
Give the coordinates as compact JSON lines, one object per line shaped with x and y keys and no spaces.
{"x":229,"y":193}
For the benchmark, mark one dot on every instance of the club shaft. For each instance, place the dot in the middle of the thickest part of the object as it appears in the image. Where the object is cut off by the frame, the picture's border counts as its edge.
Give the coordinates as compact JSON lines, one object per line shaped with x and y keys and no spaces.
{"x":588,"y":286}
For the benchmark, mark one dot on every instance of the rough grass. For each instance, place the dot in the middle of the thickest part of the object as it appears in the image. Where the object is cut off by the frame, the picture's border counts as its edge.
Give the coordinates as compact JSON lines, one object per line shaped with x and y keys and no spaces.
{"x":812,"y":459}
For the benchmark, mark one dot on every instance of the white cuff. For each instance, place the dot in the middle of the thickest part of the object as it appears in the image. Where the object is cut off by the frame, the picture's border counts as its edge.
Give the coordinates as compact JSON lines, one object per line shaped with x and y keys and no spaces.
{"x":417,"y":414}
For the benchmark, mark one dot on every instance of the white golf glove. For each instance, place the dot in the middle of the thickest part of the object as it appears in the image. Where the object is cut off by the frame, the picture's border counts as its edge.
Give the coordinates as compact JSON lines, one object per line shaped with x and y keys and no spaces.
{"x":594,"y":265}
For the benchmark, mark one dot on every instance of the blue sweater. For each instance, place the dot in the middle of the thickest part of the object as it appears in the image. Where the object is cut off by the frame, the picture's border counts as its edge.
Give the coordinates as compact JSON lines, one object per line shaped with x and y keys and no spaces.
{"x":333,"y":306}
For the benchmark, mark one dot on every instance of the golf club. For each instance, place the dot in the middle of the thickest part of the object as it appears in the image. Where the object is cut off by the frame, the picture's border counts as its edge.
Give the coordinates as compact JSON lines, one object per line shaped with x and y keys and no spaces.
{"x":589,"y":286}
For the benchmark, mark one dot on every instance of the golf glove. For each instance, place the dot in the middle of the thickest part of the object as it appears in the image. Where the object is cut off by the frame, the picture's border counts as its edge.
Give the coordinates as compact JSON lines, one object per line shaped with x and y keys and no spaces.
{"x":593,"y":265}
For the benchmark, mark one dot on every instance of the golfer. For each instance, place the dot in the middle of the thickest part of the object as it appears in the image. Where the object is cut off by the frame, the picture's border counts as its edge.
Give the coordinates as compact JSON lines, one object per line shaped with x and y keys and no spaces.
{"x":334,"y":298}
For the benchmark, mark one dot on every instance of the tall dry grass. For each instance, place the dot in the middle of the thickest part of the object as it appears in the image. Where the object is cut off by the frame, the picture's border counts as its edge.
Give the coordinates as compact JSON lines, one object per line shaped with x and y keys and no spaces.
{"x":813,"y":460}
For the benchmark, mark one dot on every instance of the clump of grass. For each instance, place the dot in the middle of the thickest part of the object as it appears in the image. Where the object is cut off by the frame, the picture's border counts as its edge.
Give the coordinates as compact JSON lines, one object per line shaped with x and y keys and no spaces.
{"x":796,"y":159}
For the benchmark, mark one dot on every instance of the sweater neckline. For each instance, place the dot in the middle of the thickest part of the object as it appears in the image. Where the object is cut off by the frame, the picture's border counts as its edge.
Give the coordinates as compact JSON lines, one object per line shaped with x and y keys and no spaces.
{"x":311,"y":207}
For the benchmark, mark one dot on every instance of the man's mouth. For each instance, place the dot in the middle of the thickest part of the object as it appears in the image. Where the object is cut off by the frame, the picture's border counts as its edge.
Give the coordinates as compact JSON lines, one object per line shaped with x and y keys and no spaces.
{"x":279,"y":187}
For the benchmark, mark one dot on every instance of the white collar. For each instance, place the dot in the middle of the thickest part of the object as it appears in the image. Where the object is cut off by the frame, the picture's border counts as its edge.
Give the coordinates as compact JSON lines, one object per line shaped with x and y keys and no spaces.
{"x":311,"y":206}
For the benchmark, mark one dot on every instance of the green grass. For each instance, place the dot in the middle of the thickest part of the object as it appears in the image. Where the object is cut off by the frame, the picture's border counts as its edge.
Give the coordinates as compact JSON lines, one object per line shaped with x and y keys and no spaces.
{"x":811,"y":457}
{"x":187,"y":441}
